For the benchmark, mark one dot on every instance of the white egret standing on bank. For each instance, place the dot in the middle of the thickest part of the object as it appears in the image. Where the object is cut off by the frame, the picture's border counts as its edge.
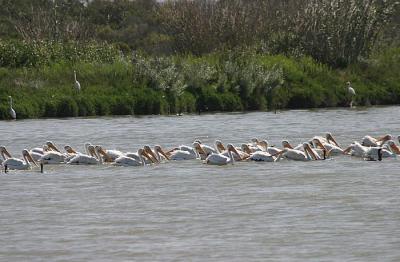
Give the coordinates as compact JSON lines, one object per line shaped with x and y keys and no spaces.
{"x":12,"y":111}
{"x":351,"y":93}
{"x":77,"y":84}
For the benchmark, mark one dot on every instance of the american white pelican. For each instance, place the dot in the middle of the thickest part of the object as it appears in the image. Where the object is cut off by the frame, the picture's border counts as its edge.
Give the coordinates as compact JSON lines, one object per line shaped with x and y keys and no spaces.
{"x":254,"y":146}
{"x":393,"y":147}
{"x":51,"y":146}
{"x":219,"y":146}
{"x":297,"y":155}
{"x":152,"y":155}
{"x":128,"y":161}
{"x":176,"y":155}
{"x":286,"y":144}
{"x":262,"y":155}
{"x":327,"y":139}
{"x":203,"y":151}
{"x":4,"y":153}
{"x":238,"y":153}
{"x":207,"y":149}
{"x":265,"y":147}
{"x":109,"y":155}
{"x":36,"y":153}
{"x":358,"y":150}
{"x":220,"y":159}
{"x":20,"y":164}
{"x":328,"y":148}
{"x":53,"y":157}
{"x":13,"y":115}
{"x":76,"y":84}
{"x":377,"y":153}
{"x":83,"y":159}
{"x":372,"y":141}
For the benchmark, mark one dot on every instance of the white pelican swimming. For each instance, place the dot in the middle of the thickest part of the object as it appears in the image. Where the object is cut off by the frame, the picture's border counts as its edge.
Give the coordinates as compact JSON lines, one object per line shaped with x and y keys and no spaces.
{"x":330,"y":149}
{"x":108,"y":155}
{"x":205,"y":148}
{"x":83,"y":159}
{"x":53,"y":157}
{"x":128,"y":161}
{"x":4,"y":153}
{"x":203,"y":151}
{"x":327,"y":139}
{"x":20,"y":164}
{"x":238,"y":153}
{"x":377,"y":153}
{"x":11,"y":110}
{"x":372,"y":141}
{"x":176,"y":155}
{"x":393,"y":147}
{"x":219,"y":146}
{"x":153,"y":157}
{"x":220,"y":159}
{"x":50,"y":145}
{"x":297,"y":155}
{"x":255,"y":145}
{"x":264,"y":145}
{"x":358,"y":150}
{"x":262,"y":155}
{"x":286,"y":144}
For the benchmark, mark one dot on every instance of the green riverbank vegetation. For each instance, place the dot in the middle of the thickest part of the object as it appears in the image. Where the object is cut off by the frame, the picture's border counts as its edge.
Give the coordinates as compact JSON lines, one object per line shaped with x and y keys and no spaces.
{"x":147,"y":57}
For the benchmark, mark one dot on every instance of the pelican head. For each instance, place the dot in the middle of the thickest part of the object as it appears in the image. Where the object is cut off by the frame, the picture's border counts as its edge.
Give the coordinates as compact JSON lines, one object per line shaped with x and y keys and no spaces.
{"x":199,"y":149}
{"x":329,"y":137}
{"x":28,"y":157}
{"x":232,"y":149}
{"x":317,"y":142}
{"x":264,"y":143}
{"x":286,"y":144}
{"x":219,"y":146}
{"x":393,"y":147}
{"x":100,"y":152}
{"x":51,"y":146}
{"x":388,"y":137}
{"x":158,"y":149}
{"x":85,"y":145}
{"x":246,"y":148}
{"x":4,"y":153}
{"x":69,"y":149}
{"x":307,"y":148}
{"x":150,"y":152}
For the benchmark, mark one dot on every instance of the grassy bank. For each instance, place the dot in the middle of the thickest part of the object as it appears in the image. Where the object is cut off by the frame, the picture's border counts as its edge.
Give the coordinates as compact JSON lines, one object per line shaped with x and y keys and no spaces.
{"x":40,"y":79}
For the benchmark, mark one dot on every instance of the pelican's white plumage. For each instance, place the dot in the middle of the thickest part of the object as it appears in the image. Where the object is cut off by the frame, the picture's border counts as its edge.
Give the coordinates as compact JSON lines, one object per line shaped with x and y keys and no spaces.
{"x":297,"y":155}
{"x":53,"y":157}
{"x":83,"y":159}
{"x":128,"y":161}
{"x":20,"y":164}
{"x":261,"y":156}
{"x":220,"y":159}
{"x":372,"y":141}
